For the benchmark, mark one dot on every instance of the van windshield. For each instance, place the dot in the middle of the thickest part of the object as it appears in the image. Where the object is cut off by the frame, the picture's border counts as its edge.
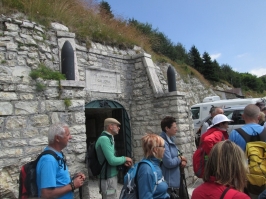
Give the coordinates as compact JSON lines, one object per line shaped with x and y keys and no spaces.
{"x":195,"y":112}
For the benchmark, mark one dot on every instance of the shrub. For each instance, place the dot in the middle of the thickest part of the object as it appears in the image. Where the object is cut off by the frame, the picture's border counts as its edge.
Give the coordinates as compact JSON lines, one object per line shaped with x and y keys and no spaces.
{"x":46,"y":73}
{"x":40,"y":87}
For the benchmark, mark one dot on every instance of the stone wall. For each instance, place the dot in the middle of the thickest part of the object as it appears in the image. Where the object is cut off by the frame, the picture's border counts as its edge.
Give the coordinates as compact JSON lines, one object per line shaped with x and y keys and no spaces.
{"x":101,"y":72}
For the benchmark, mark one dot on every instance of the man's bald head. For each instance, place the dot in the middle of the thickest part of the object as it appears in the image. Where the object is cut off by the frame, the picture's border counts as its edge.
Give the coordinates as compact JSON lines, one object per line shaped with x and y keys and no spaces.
{"x":251,"y":111}
{"x":218,"y":111}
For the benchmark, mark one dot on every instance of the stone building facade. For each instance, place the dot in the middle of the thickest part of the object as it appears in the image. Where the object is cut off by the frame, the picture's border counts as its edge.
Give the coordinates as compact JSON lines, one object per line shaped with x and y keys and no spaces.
{"x":108,"y":82}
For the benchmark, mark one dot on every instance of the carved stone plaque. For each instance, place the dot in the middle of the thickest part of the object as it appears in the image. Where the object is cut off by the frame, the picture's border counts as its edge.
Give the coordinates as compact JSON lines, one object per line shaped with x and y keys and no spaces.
{"x":103,"y":81}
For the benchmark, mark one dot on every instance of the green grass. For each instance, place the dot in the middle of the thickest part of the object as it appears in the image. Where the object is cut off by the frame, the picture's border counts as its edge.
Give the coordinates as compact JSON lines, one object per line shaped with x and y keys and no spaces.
{"x":46,"y":73}
{"x":81,"y":18}
{"x":40,"y":87}
{"x":67,"y":102}
{"x":85,"y":21}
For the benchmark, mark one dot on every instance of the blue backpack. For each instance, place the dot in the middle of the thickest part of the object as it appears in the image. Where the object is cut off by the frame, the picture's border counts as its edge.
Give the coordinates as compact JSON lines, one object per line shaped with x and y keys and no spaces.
{"x":130,"y":188}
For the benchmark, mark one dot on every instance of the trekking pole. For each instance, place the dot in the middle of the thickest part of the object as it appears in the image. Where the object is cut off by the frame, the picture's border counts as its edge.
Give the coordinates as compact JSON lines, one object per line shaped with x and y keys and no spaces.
{"x":184,"y":186}
{"x":80,"y":192}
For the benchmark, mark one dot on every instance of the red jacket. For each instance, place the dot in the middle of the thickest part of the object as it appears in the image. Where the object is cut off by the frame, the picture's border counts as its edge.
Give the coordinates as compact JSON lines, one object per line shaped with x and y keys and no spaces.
{"x":211,"y":137}
{"x":212,"y":190}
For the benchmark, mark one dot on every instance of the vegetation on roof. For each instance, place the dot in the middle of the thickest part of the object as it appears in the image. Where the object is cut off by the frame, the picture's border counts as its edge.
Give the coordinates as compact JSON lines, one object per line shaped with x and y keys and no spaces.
{"x":94,"y":21}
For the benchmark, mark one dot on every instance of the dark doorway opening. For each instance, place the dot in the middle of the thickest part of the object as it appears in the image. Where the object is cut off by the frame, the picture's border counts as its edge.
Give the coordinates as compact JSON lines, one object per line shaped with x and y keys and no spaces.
{"x":96,"y":112}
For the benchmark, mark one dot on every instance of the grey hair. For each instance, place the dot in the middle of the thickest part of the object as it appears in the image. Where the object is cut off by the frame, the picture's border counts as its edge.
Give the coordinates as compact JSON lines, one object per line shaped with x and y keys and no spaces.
{"x":106,"y":127}
{"x":56,"y":129}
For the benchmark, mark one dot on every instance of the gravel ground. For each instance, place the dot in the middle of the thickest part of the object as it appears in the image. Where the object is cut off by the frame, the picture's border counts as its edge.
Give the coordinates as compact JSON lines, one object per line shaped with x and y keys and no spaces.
{"x":94,"y":189}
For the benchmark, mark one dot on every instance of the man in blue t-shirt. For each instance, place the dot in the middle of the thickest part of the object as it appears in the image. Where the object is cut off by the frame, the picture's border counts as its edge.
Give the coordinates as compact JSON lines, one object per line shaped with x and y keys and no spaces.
{"x":251,"y":127}
{"x":53,"y":178}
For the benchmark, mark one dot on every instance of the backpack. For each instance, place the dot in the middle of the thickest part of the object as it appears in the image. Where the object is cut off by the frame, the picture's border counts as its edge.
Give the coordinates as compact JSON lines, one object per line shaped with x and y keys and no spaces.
{"x":27,"y":177}
{"x":256,"y":153}
{"x":130,"y":188}
{"x":199,"y":159}
{"x":93,"y":162}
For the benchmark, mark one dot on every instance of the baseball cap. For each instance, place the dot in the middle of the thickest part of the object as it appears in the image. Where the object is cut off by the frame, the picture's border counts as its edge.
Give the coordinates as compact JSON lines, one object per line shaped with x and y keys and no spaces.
{"x":217,"y":119}
{"x":111,"y":121}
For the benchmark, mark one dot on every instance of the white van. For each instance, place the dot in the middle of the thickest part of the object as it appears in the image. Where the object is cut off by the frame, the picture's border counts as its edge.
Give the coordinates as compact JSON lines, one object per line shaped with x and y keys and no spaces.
{"x":201,"y":111}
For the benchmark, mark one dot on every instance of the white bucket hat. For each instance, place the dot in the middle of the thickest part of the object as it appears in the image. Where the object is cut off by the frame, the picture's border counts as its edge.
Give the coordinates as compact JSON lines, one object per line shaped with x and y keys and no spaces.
{"x":217,"y":119}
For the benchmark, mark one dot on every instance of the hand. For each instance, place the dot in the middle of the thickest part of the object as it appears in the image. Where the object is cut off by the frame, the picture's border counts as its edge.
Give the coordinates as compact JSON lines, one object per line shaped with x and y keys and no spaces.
{"x":183,"y":161}
{"x":128,"y":162}
{"x":80,"y":174}
{"x":183,"y":164}
{"x":78,"y":180}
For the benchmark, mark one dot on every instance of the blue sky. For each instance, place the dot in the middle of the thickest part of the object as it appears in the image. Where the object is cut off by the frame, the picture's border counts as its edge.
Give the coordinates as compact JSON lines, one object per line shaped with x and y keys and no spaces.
{"x":232,"y":32}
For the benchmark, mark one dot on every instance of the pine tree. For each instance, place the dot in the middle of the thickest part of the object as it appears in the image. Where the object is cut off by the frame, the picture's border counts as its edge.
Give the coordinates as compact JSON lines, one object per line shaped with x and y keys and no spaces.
{"x":194,"y":59}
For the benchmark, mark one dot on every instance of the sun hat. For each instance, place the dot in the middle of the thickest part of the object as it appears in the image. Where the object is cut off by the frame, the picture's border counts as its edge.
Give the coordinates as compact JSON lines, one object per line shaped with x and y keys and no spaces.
{"x":111,"y":121}
{"x":217,"y":119}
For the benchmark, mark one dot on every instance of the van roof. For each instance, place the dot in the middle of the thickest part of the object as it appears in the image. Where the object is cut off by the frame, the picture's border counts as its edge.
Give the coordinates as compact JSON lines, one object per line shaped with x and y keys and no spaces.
{"x":234,"y":101}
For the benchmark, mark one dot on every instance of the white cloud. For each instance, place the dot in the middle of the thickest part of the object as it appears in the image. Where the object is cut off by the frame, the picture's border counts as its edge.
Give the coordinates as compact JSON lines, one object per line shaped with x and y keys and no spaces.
{"x":242,"y":55}
{"x":215,"y":56}
{"x":258,"y":71}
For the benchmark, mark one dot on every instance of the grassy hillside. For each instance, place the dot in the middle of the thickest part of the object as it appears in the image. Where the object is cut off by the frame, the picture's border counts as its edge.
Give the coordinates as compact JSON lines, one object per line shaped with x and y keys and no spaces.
{"x":91,"y":23}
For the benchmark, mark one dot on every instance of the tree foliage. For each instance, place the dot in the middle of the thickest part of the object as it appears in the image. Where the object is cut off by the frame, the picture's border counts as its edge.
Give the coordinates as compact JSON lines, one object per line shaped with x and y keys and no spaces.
{"x":209,"y":68}
{"x":105,"y":9}
{"x":195,"y":59}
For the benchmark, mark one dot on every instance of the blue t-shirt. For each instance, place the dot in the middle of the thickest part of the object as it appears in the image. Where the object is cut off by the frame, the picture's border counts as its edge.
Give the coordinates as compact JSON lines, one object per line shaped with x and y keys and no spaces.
{"x":51,"y":174}
{"x":251,"y":129}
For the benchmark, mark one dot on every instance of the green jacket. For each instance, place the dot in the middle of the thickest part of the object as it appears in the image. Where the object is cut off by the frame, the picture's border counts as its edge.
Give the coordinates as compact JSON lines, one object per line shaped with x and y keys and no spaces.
{"x":105,"y":149}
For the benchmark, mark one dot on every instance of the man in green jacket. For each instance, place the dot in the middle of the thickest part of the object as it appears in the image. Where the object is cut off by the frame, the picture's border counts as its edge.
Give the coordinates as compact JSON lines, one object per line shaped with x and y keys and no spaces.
{"x":105,"y":147}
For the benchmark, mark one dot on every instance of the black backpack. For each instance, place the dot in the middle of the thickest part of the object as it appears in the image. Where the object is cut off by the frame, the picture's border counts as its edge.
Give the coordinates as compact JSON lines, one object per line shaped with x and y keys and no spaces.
{"x":93,"y":162}
{"x":27,"y":177}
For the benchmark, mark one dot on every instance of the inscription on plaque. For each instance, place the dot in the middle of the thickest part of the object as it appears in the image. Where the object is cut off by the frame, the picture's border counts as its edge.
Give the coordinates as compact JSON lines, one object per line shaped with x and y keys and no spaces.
{"x":103,"y":81}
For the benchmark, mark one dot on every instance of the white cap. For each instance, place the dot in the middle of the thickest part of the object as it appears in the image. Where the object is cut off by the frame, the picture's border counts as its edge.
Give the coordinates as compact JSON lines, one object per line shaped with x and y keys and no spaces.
{"x":111,"y":121}
{"x":217,"y":119}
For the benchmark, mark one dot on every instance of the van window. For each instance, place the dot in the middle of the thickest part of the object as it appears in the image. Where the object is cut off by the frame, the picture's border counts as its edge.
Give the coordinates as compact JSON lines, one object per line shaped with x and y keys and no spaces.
{"x":229,"y":114}
{"x":235,"y":115}
{"x":195,"y":112}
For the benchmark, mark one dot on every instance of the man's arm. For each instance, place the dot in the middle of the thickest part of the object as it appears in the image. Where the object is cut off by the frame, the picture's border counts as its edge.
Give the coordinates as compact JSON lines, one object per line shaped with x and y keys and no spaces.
{"x":108,"y":152}
{"x":50,"y":193}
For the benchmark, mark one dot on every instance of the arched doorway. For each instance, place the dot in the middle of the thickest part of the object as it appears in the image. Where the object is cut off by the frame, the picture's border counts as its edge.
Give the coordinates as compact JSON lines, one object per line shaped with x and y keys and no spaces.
{"x":96,"y":112}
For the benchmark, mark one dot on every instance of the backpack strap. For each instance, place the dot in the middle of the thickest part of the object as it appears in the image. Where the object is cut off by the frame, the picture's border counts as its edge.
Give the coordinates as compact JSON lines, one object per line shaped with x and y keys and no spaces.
{"x":51,"y":152}
{"x":224,"y":192}
{"x":104,"y":162}
{"x":229,"y":192}
{"x":244,"y":135}
{"x":209,"y":121}
{"x":247,"y":137}
{"x":263,"y":135}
